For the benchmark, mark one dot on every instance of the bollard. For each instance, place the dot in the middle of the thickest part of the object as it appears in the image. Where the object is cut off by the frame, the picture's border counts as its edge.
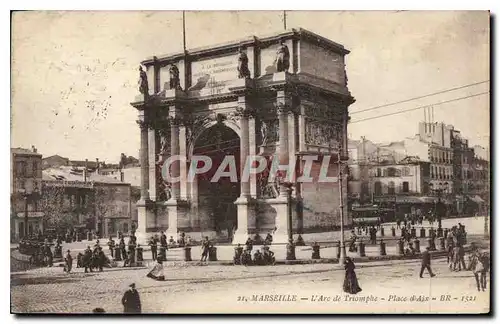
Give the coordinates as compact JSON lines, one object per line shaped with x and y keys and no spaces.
{"x":441,"y":244}
{"x":393,"y":231}
{"x":416,"y":242}
{"x":382,"y":248}
{"x":58,"y":252}
{"x":413,"y":232}
{"x":162,"y":256}
{"x":440,"y":232}
{"x":187,"y":253}
{"x":382,"y":231}
{"x":338,"y":249}
{"x":401,"y":247}
{"x":118,"y":253}
{"x":212,"y":254}
{"x":315,"y":253}
{"x":361,"y":248}
{"x":290,"y":251}
{"x":430,"y":244}
{"x":422,"y":232}
{"x":139,"y":251}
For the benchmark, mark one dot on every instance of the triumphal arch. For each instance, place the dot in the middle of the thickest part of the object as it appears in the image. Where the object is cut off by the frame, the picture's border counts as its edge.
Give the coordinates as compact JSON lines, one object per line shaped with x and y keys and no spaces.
{"x":283,"y":97}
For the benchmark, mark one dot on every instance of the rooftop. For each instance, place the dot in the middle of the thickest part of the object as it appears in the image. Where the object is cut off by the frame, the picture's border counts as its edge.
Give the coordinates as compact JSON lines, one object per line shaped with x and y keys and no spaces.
{"x":65,"y":173}
{"x":289,"y":33}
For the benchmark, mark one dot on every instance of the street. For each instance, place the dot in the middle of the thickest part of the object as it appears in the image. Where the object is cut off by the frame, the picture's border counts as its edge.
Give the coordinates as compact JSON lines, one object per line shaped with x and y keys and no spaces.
{"x":387,"y":287}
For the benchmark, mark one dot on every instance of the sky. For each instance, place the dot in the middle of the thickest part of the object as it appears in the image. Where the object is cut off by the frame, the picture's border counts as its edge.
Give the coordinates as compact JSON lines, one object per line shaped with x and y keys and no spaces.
{"x":74,"y":74}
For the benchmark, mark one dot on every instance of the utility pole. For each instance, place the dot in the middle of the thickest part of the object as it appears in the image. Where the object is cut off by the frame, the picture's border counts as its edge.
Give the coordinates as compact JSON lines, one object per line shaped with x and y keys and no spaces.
{"x":284,"y":18}
{"x":486,"y":220}
{"x":184,"y":30}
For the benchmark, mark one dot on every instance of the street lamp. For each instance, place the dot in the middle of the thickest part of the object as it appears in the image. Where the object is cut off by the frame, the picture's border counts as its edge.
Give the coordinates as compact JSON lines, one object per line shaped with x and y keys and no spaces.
{"x":340,"y":162}
{"x":439,"y":189}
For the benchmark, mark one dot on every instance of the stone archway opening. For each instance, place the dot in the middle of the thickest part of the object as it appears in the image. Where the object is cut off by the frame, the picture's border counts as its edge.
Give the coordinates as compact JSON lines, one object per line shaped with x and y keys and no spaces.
{"x":216,"y":197}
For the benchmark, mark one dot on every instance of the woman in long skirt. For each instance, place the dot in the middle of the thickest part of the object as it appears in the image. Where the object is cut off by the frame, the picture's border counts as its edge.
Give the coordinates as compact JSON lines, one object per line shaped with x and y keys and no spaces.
{"x":351,"y":285}
{"x":157,"y":272}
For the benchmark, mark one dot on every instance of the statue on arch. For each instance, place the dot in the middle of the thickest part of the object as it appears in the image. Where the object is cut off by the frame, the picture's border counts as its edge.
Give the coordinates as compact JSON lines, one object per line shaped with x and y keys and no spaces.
{"x":175,"y":82}
{"x":243,"y":71}
{"x":143,"y":81}
{"x":282,"y":60}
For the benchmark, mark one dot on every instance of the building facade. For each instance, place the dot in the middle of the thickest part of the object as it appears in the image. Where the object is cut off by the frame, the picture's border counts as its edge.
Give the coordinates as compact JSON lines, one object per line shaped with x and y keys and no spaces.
{"x":75,"y":198}
{"x":281,"y":96}
{"x":25,"y":190}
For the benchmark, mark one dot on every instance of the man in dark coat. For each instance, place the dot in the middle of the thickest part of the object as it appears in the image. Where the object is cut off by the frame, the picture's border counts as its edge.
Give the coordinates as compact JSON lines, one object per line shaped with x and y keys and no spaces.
{"x":131,"y":301}
{"x":154,"y":248}
{"x":426,"y":263}
{"x":87,"y":260}
{"x":68,"y":260}
{"x":163,"y":240}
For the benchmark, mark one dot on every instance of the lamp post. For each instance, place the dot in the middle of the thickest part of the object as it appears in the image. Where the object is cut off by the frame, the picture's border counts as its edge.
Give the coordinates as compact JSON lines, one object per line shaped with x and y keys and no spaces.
{"x":340,"y":162}
{"x":439,"y":189}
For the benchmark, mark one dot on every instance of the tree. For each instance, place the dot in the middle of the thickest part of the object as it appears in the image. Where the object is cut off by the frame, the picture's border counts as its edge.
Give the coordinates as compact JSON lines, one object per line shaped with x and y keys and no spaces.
{"x":51,"y":203}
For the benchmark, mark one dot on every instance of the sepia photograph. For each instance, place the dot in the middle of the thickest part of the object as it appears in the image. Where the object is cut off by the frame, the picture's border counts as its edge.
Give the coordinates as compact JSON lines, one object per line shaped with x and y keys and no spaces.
{"x":250,"y":162}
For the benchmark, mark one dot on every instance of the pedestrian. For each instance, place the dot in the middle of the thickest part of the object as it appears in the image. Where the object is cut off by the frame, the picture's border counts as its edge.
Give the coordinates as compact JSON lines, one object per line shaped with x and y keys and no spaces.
{"x":154,"y":248}
{"x":426,"y":263}
{"x":456,"y":258}
{"x":157,"y":272}
{"x":163,"y":240}
{"x":87,"y":259}
{"x":68,"y":260}
{"x":351,"y":284}
{"x":205,"y":246}
{"x":131,"y":301}
{"x":123,"y":250}
{"x":111,"y":245}
{"x":101,"y":259}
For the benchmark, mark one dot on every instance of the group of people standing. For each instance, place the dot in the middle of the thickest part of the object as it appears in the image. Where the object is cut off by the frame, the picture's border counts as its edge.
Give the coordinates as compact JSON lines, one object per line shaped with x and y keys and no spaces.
{"x":90,"y":260}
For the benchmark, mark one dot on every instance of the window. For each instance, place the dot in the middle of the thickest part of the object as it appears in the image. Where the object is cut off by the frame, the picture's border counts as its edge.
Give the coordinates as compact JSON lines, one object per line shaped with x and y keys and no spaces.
{"x":391,"y":172}
{"x":379,"y":172}
{"x":21,"y":168}
{"x":406,"y":171}
{"x":35,"y":168}
{"x":386,"y":173}
{"x":125,"y":227}
{"x":378,"y":188}
{"x":390,"y":188}
{"x":22,"y":184}
{"x":406,"y":186}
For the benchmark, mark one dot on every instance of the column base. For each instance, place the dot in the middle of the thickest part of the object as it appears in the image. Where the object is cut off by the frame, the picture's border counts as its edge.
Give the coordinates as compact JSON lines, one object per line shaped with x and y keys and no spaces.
{"x":245,"y":213}
{"x":280,"y":205}
{"x":174,"y":210}
{"x":145,"y":216}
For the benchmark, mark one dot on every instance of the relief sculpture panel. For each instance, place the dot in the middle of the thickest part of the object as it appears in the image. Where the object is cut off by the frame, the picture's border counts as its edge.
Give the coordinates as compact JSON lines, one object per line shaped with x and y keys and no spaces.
{"x":323,"y":133}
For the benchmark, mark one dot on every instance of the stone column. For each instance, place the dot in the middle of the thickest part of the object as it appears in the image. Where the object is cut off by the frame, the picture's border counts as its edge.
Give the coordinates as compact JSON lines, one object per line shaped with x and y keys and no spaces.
{"x":144,"y":160}
{"x":144,"y":211}
{"x":245,"y":209}
{"x":174,"y":152}
{"x":173,"y":203}
{"x":152,"y":163}
{"x":281,"y":203}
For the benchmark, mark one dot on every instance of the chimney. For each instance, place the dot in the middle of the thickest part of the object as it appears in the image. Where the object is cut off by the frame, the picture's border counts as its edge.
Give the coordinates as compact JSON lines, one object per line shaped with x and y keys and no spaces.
{"x":122,"y":175}
{"x":85,"y":170}
{"x":33,"y":148}
{"x":97,"y":165}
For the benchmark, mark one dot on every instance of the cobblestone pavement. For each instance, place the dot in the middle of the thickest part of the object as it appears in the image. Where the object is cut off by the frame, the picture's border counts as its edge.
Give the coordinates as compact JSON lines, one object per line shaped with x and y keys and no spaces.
{"x":217,"y":288}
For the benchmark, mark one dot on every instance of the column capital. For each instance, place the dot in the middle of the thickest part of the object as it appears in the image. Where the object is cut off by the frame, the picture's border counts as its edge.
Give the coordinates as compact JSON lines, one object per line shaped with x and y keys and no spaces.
{"x":144,"y":125}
